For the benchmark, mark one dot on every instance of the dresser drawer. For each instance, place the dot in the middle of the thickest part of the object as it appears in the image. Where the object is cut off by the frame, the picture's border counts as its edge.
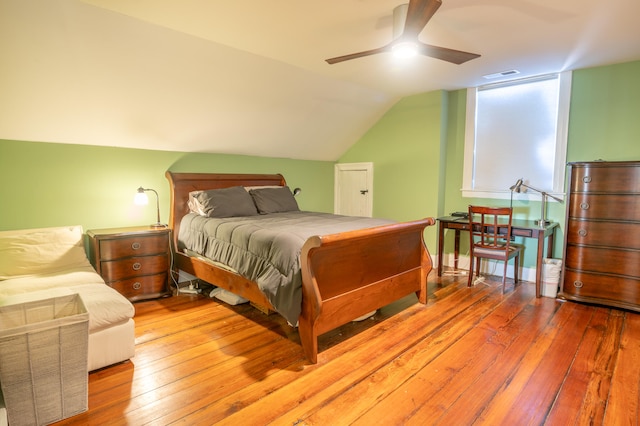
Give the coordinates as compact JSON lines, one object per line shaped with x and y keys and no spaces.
{"x":133,"y":267}
{"x":608,"y":207}
{"x":603,"y":288}
{"x":604,"y":260}
{"x":137,"y":245}
{"x":142,"y":287}
{"x":598,"y":178}
{"x":611,"y":234}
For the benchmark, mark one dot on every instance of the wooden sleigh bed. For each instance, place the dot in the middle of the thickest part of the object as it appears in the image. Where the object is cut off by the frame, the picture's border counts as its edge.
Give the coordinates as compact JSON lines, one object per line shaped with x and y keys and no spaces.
{"x":344,"y":275}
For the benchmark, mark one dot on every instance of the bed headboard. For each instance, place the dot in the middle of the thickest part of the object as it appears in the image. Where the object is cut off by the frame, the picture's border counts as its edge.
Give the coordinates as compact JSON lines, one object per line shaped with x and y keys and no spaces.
{"x":180,"y":184}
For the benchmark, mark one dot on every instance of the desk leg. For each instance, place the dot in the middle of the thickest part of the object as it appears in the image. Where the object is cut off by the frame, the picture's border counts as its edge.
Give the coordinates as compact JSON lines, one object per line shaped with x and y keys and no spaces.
{"x":539,"y":264}
{"x":456,"y":249}
{"x":440,"y":247}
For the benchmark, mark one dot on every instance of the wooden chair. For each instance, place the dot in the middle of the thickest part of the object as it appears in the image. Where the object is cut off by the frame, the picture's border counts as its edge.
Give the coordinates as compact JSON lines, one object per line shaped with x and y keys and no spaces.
{"x":490,"y":238}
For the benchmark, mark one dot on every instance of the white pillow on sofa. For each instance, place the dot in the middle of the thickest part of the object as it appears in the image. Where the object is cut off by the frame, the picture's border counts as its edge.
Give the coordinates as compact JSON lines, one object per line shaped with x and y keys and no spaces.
{"x":29,"y":252}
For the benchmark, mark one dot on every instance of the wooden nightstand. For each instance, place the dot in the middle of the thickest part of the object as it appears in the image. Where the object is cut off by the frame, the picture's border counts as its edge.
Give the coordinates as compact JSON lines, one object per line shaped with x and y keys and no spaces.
{"x":135,"y":260}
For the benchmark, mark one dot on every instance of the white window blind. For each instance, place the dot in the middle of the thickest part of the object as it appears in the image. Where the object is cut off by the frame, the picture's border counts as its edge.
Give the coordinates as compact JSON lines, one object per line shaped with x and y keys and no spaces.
{"x":515,"y":130}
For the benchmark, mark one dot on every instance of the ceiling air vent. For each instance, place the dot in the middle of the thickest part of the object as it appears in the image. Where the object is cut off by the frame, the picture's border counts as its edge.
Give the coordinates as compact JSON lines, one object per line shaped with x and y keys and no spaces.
{"x":501,"y":74}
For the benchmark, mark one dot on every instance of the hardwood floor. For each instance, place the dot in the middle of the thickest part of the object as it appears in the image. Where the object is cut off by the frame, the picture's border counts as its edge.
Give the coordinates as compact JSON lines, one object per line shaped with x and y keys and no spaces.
{"x":470,"y":356}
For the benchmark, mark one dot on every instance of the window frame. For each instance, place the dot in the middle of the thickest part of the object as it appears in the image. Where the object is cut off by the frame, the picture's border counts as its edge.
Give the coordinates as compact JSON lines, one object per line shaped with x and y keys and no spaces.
{"x":562,"y":126}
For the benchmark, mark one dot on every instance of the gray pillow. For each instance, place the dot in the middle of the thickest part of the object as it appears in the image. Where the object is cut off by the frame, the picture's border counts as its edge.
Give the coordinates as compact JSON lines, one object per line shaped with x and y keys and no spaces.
{"x":225,"y":202}
{"x":274,"y":200}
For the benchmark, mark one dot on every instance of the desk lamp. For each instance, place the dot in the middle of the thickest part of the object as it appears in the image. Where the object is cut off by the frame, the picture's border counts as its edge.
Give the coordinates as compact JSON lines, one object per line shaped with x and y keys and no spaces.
{"x":517,"y":187}
{"x":141,"y":199}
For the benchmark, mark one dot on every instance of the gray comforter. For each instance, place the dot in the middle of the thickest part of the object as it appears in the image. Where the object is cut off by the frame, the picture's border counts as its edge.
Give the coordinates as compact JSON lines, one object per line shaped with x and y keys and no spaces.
{"x":266,"y":248}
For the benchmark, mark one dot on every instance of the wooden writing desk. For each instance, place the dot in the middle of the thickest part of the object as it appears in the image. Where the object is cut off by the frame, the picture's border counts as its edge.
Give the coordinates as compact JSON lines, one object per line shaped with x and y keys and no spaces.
{"x":519,"y":228}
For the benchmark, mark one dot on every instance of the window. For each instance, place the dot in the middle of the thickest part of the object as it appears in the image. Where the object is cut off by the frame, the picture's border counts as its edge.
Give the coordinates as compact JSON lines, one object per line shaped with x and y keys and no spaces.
{"x":514,"y":130}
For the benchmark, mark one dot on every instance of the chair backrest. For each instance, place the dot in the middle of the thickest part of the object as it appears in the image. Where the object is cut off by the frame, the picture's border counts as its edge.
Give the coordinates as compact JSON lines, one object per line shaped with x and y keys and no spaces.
{"x":490,"y":227}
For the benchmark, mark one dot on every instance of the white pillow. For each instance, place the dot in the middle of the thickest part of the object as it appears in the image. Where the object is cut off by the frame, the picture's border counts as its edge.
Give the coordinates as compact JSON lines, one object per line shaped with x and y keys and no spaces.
{"x":29,"y":252}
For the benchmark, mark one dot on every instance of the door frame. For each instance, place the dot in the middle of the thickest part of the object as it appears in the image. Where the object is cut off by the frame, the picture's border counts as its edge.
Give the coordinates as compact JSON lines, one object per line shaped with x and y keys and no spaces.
{"x":339,"y":167}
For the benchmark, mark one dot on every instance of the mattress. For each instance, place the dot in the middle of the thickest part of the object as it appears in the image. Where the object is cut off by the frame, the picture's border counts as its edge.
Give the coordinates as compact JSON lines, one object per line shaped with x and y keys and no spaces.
{"x":266,"y":248}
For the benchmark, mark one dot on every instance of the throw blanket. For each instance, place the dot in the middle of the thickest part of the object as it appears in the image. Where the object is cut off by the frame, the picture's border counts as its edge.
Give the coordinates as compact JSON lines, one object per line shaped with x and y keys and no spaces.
{"x":266,"y":248}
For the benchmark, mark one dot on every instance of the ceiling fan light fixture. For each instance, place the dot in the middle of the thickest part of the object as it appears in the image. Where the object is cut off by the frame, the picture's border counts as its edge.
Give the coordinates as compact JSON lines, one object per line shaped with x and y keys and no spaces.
{"x":405,"y":49}
{"x":408,"y":22}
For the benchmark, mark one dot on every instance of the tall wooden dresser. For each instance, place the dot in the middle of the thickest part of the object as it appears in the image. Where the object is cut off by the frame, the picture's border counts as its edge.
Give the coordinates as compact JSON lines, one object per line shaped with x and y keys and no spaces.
{"x":602,"y":241}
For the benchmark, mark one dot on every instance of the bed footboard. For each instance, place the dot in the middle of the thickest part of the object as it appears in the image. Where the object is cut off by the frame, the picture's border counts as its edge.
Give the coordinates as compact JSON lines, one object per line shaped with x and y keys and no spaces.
{"x":346,"y":275}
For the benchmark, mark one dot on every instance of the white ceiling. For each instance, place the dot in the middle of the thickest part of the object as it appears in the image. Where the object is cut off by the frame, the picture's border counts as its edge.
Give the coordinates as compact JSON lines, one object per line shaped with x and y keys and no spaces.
{"x":249,"y":77}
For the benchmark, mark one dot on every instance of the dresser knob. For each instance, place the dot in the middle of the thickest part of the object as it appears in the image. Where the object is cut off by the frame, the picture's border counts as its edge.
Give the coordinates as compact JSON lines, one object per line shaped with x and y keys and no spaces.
{"x":137,"y":285}
{"x":584,"y":206}
{"x":136,"y":266}
{"x":577,"y":284}
{"x":586,"y":179}
{"x":136,"y":246}
{"x":582,"y":232}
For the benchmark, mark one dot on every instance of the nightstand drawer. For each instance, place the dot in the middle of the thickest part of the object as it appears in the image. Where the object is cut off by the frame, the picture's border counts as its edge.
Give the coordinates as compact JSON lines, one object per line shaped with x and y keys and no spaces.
{"x":139,"y":288}
{"x":138,"y":245}
{"x":134,"y":266}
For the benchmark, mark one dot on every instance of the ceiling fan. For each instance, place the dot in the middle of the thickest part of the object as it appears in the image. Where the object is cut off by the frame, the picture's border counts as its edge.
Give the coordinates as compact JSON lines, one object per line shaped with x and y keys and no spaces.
{"x":418,"y":13}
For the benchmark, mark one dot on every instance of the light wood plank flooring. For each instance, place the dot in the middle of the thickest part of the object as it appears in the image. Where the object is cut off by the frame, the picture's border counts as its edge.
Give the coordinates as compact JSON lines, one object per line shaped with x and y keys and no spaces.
{"x":470,"y":356}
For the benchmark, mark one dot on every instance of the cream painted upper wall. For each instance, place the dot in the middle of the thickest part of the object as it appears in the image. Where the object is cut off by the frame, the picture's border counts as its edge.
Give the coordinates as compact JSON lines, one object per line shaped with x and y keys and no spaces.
{"x":249,"y":77}
{"x":87,"y":75}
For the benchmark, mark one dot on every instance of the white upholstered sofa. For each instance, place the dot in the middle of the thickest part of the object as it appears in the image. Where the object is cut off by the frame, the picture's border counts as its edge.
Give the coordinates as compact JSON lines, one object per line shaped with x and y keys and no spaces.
{"x":49,"y":262}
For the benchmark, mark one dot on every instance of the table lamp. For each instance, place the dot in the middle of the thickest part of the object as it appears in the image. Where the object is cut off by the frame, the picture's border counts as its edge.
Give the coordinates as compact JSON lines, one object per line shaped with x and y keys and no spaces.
{"x":141,"y":199}
{"x":517,"y":187}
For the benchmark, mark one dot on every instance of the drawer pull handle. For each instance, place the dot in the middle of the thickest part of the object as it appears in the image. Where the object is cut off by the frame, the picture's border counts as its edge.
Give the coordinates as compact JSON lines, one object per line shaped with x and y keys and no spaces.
{"x":577,"y":284}
{"x":586,"y":179}
{"x":137,"y":285}
{"x":136,"y":246}
{"x":582,"y":232}
{"x":584,"y":206}
{"x":136,"y":266}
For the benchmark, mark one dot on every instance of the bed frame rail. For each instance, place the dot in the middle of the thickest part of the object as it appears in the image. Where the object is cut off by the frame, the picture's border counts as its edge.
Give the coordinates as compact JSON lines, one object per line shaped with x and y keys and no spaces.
{"x":350,"y":274}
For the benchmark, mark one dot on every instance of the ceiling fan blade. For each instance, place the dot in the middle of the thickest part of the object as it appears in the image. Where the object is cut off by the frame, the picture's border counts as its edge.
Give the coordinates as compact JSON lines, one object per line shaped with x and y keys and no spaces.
{"x":450,"y":55}
{"x":418,"y":15}
{"x":357,"y":55}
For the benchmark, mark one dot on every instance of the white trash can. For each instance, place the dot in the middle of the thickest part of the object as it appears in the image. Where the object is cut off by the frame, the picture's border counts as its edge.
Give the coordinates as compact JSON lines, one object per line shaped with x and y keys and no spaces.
{"x":551,"y":269}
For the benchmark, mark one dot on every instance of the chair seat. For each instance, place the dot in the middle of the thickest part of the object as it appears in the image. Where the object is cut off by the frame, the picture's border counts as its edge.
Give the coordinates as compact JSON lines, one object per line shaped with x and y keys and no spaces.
{"x":493,"y":253}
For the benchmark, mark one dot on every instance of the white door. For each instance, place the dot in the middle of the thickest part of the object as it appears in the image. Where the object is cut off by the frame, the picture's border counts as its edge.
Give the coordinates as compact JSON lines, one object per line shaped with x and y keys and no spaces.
{"x":354,"y":189}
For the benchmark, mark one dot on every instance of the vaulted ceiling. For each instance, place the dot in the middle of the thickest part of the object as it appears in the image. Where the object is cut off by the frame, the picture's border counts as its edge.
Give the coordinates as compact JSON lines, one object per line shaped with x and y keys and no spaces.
{"x":250,"y":77}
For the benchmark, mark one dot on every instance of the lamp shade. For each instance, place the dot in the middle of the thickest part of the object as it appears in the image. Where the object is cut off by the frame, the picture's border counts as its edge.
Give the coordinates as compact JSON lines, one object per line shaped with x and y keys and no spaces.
{"x":141,"y":198}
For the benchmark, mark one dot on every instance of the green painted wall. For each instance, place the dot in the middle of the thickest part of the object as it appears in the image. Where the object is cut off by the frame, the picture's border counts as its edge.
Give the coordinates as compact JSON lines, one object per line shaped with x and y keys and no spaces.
{"x":405,"y":149}
{"x":47,"y":184}
{"x":605,"y":113}
{"x":604,"y":124}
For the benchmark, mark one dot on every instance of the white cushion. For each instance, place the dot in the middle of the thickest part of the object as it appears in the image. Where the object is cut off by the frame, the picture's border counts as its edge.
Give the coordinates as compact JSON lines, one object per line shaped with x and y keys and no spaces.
{"x":30,"y":252}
